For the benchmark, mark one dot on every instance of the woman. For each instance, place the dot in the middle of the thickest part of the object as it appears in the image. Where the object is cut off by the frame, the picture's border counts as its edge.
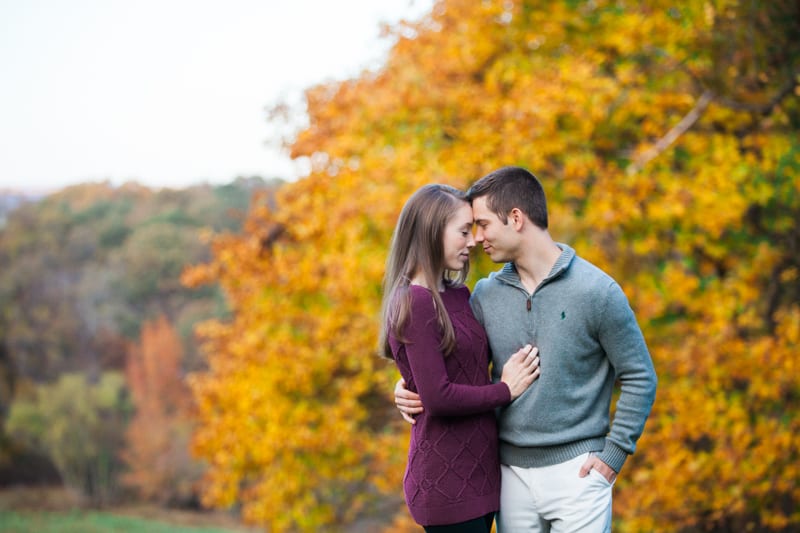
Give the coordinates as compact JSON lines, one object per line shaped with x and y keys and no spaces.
{"x":452,"y":480}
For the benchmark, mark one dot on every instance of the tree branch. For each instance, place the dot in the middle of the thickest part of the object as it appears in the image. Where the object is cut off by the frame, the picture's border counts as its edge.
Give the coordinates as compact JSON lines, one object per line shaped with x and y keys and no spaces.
{"x":767,"y":107}
{"x":679,"y":129}
{"x":696,"y":112}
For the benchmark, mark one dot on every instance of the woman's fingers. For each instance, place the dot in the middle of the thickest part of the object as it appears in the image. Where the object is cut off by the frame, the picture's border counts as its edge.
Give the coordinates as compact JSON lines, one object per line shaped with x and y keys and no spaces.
{"x":408,"y":418}
{"x":410,"y":408}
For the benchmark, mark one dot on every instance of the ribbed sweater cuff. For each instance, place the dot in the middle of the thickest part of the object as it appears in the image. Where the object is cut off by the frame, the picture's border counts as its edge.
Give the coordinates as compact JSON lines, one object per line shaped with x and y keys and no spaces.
{"x":613,"y":456}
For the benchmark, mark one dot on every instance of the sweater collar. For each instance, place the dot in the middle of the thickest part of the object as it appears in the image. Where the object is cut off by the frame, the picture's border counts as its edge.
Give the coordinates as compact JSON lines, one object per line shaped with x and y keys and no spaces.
{"x":508,"y":274}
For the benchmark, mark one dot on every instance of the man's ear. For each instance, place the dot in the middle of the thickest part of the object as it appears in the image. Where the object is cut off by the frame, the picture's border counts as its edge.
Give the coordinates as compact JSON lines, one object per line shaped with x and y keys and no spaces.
{"x":517,"y":218}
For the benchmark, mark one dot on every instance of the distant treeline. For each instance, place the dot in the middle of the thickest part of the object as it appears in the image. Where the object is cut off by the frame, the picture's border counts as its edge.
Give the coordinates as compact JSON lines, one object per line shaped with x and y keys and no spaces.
{"x":11,"y":200}
{"x":81,"y":271}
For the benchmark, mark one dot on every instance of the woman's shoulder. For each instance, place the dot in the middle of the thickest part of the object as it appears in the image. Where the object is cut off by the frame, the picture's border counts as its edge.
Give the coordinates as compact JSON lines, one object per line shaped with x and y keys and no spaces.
{"x":423,"y":294}
{"x":421,"y":298}
{"x":418,"y":291}
{"x":460,"y":290}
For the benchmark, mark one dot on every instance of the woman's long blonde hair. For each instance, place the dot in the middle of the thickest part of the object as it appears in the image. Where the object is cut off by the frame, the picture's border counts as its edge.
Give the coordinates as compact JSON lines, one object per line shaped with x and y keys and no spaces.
{"x":417,"y":248}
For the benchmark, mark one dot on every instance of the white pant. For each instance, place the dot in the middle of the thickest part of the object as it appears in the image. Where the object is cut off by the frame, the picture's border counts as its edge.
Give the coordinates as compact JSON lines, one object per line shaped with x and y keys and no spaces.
{"x":554,"y":499}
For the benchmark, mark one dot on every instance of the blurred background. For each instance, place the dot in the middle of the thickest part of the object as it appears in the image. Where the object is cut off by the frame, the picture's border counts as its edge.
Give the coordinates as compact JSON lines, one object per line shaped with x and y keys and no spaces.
{"x":196,"y":202}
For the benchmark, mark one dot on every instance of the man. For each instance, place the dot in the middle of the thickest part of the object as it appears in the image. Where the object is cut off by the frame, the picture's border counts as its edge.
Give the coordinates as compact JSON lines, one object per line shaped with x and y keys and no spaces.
{"x":559,"y":454}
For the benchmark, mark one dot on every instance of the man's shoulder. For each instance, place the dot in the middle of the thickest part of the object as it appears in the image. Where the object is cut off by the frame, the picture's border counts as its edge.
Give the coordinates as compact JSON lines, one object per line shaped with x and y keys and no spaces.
{"x":589,"y":273}
{"x":591,"y":283}
{"x":491,"y":281}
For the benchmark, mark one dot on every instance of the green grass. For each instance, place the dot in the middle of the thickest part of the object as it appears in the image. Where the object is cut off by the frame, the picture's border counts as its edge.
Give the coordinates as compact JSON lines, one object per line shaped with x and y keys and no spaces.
{"x":89,"y":522}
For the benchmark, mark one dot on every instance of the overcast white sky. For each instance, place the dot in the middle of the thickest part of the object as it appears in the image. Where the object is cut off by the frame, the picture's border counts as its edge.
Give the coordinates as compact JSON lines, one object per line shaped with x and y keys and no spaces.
{"x":168,"y":92}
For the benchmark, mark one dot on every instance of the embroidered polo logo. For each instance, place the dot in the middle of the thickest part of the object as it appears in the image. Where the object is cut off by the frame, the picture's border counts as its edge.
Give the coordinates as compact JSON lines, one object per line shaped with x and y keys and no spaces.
{"x":563,"y":315}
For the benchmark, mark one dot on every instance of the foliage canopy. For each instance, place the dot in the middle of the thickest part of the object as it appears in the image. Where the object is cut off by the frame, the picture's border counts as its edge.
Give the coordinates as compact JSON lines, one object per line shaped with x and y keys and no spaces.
{"x":666,"y":137}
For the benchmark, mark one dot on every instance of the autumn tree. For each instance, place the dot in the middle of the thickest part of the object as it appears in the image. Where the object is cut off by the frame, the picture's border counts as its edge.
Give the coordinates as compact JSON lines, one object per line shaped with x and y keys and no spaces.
{"x":159,"y":466}
{"x":666,"y":137}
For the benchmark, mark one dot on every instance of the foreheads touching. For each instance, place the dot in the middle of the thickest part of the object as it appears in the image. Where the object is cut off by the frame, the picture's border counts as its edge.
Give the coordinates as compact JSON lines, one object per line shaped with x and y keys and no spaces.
{"x":508,"y":188}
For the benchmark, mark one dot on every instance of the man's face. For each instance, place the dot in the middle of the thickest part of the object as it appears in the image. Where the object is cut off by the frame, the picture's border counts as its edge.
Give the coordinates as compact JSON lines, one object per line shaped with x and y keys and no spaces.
{"x":496,"y":238}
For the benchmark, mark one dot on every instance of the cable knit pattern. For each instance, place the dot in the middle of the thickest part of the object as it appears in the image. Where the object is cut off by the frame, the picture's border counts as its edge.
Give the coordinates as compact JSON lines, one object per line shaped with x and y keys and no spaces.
{"x":453,"y":471}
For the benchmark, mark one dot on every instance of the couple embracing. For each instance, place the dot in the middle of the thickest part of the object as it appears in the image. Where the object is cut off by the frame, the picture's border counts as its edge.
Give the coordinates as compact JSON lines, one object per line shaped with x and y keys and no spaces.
{"x":533,"y":443}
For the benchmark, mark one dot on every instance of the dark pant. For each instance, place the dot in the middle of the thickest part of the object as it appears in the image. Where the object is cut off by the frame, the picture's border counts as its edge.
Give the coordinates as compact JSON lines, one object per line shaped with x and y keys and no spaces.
{"x":482,"y":524}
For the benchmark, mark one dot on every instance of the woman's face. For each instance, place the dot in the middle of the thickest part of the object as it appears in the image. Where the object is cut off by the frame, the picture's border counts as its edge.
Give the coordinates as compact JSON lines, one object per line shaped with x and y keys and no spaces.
{"x":458,"y":238}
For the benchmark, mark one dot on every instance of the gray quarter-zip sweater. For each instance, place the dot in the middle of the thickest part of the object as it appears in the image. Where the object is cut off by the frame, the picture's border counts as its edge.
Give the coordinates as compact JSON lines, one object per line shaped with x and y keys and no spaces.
{"x":588,"y":337}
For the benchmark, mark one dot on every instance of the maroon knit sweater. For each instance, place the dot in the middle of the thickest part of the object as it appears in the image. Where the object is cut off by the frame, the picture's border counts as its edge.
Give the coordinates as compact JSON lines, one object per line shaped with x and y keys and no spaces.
{"x":453,"y":470}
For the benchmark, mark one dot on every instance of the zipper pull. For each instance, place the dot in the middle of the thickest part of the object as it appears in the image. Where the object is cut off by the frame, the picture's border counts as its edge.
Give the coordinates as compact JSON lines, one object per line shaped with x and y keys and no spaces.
{"x":528,"y":304}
